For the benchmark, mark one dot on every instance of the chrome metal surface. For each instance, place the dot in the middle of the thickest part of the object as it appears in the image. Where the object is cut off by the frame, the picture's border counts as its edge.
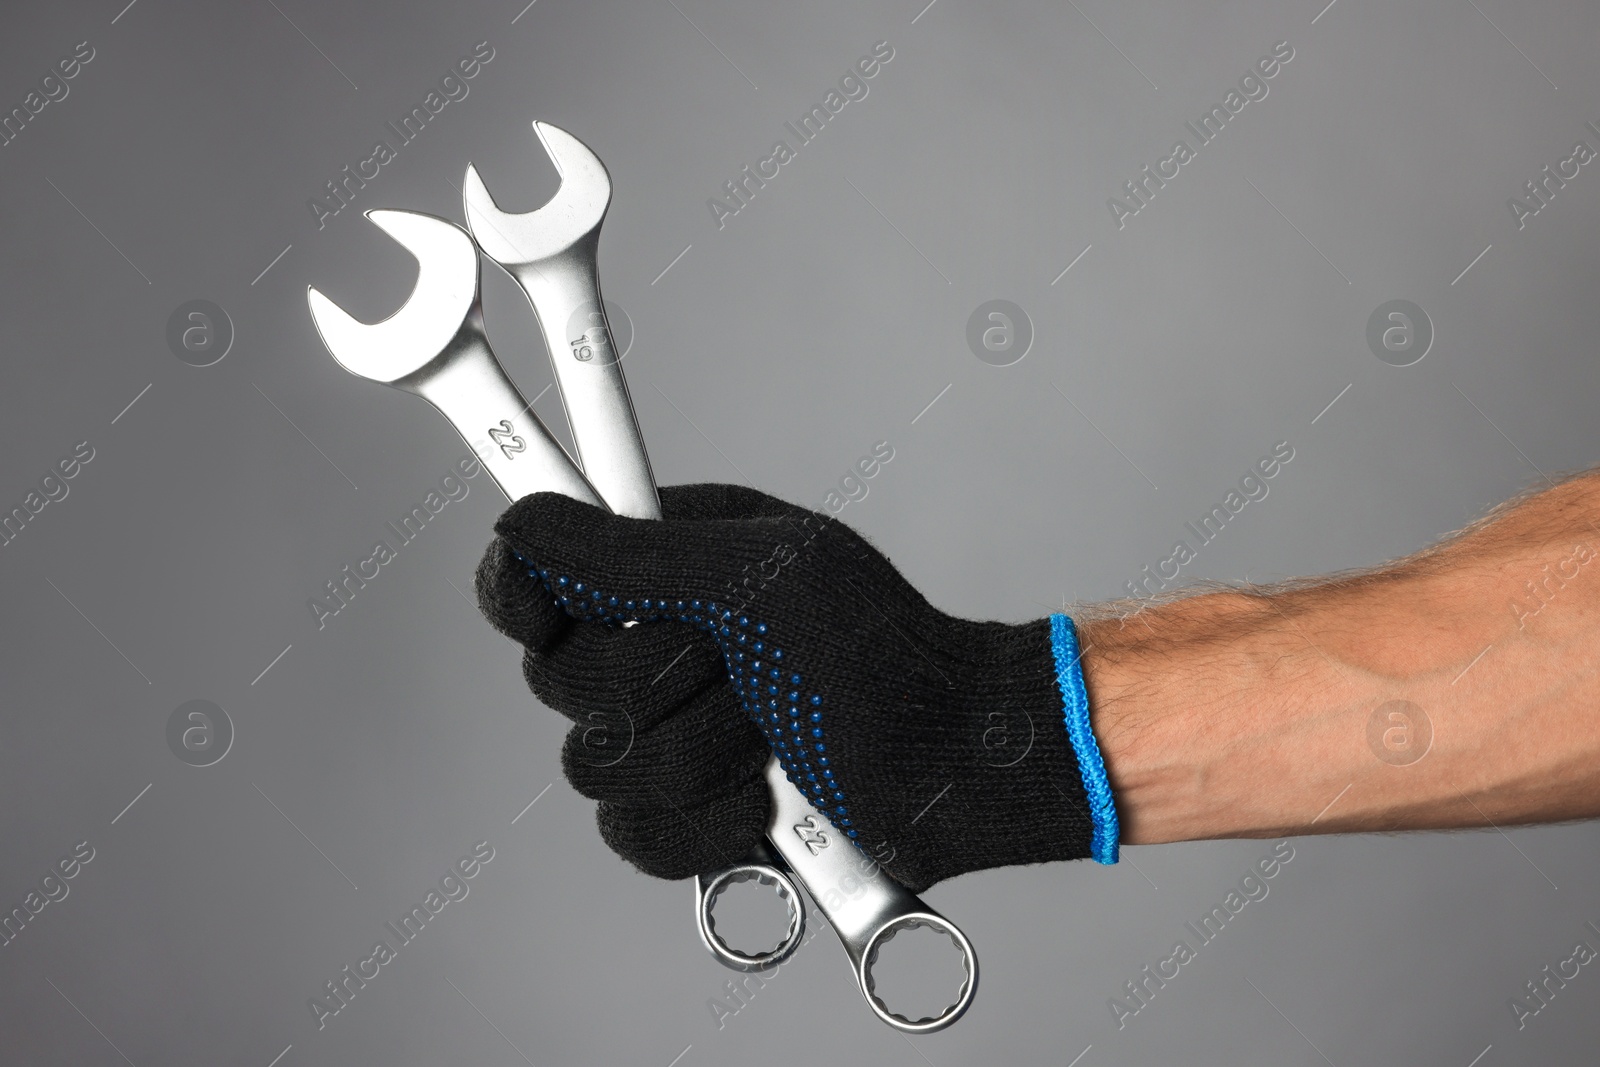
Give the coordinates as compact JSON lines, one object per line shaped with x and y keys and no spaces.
{"x":553,"y":253}
{"x":435,"y":347}
{"x":864,"y":905}
{"x":764,"y":867}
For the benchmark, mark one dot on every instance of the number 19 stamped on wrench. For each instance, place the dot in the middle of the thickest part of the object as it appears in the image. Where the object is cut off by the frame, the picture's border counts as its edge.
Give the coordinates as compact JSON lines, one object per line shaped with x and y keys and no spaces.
{"x":435,"y":346}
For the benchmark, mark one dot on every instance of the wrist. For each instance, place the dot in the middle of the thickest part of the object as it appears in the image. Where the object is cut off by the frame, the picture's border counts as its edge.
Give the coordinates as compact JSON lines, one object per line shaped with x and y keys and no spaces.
{"x":1032,"y":790}
{"x":1036,"y":667}
{"x":1067,"y":658}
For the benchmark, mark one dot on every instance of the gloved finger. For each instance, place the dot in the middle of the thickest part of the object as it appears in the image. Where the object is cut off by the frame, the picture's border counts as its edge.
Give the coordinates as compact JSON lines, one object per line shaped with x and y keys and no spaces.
{"x":796,"y":526}
{"x":669,"y":840}
{"x":642,"y":673}
{"x":718,"y":500}
{"x":707,"y":748}
{"x":514,"y":602}
{"x":573,"y":670}
{"x":629,"y":566}
{"x":531,"y":619}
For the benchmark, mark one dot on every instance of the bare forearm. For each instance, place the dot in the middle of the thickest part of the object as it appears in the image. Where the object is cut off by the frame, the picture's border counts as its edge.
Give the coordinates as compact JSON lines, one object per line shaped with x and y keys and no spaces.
{"x":1309,"y":709}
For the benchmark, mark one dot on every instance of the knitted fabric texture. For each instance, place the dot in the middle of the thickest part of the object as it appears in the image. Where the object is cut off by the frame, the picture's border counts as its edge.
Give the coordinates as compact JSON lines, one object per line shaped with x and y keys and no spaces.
{"x":937,"y":744}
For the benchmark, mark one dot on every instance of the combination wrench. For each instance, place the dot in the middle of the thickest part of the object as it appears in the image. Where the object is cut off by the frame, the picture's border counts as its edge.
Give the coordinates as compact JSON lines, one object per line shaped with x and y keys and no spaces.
{"x":553,"y":254}
{"x":435,"y":346}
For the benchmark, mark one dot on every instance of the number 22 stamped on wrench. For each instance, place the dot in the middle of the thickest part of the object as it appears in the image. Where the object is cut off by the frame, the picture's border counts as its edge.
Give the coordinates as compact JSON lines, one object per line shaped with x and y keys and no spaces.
{"x":435,"y":346}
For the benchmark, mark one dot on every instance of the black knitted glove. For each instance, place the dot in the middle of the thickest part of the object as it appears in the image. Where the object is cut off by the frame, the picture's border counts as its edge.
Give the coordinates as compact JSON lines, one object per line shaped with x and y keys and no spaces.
{"x":939,"y":745}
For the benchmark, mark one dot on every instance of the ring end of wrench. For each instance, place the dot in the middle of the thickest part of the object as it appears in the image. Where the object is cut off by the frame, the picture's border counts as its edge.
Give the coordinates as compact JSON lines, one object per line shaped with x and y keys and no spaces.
{"x":756,"y":868}
{"x":911,"y":921}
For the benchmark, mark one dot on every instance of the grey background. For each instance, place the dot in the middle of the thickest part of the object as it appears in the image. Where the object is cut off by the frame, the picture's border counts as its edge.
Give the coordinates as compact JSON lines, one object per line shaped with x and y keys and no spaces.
{"x":823,"y":318}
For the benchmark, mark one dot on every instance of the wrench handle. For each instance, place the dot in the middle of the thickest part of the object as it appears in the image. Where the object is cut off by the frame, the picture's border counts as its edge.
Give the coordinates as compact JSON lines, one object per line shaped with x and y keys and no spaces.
{"x":472,"y":391}
{"x":865,"y":905}
{"x":565,"y":294}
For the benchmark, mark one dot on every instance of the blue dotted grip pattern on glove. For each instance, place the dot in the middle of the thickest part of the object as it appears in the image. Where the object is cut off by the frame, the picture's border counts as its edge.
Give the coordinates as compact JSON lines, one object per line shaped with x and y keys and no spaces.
{"x":1075,"y":700}
{"x":763,"y":690}
{"x":941,"y":742}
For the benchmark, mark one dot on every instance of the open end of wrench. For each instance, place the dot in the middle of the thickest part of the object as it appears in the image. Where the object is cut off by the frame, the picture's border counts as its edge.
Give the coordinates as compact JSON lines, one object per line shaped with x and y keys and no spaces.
{"x":578,"y":207}
{"x":964,"y":995}
{"x":446,"y":290}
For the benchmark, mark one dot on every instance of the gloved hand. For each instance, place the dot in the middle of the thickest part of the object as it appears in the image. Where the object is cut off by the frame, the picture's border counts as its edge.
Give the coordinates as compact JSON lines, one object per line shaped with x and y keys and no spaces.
{"x":939,"y":745}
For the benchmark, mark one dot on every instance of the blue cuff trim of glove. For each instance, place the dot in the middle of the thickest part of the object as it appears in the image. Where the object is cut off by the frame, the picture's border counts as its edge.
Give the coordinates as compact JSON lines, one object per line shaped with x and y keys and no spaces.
{"x":1075,"y":700}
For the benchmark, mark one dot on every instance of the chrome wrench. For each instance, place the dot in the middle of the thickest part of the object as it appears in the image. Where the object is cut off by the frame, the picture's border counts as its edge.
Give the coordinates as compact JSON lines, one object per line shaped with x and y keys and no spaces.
{"x":435,"y":347}
{"x":553,"y":255}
